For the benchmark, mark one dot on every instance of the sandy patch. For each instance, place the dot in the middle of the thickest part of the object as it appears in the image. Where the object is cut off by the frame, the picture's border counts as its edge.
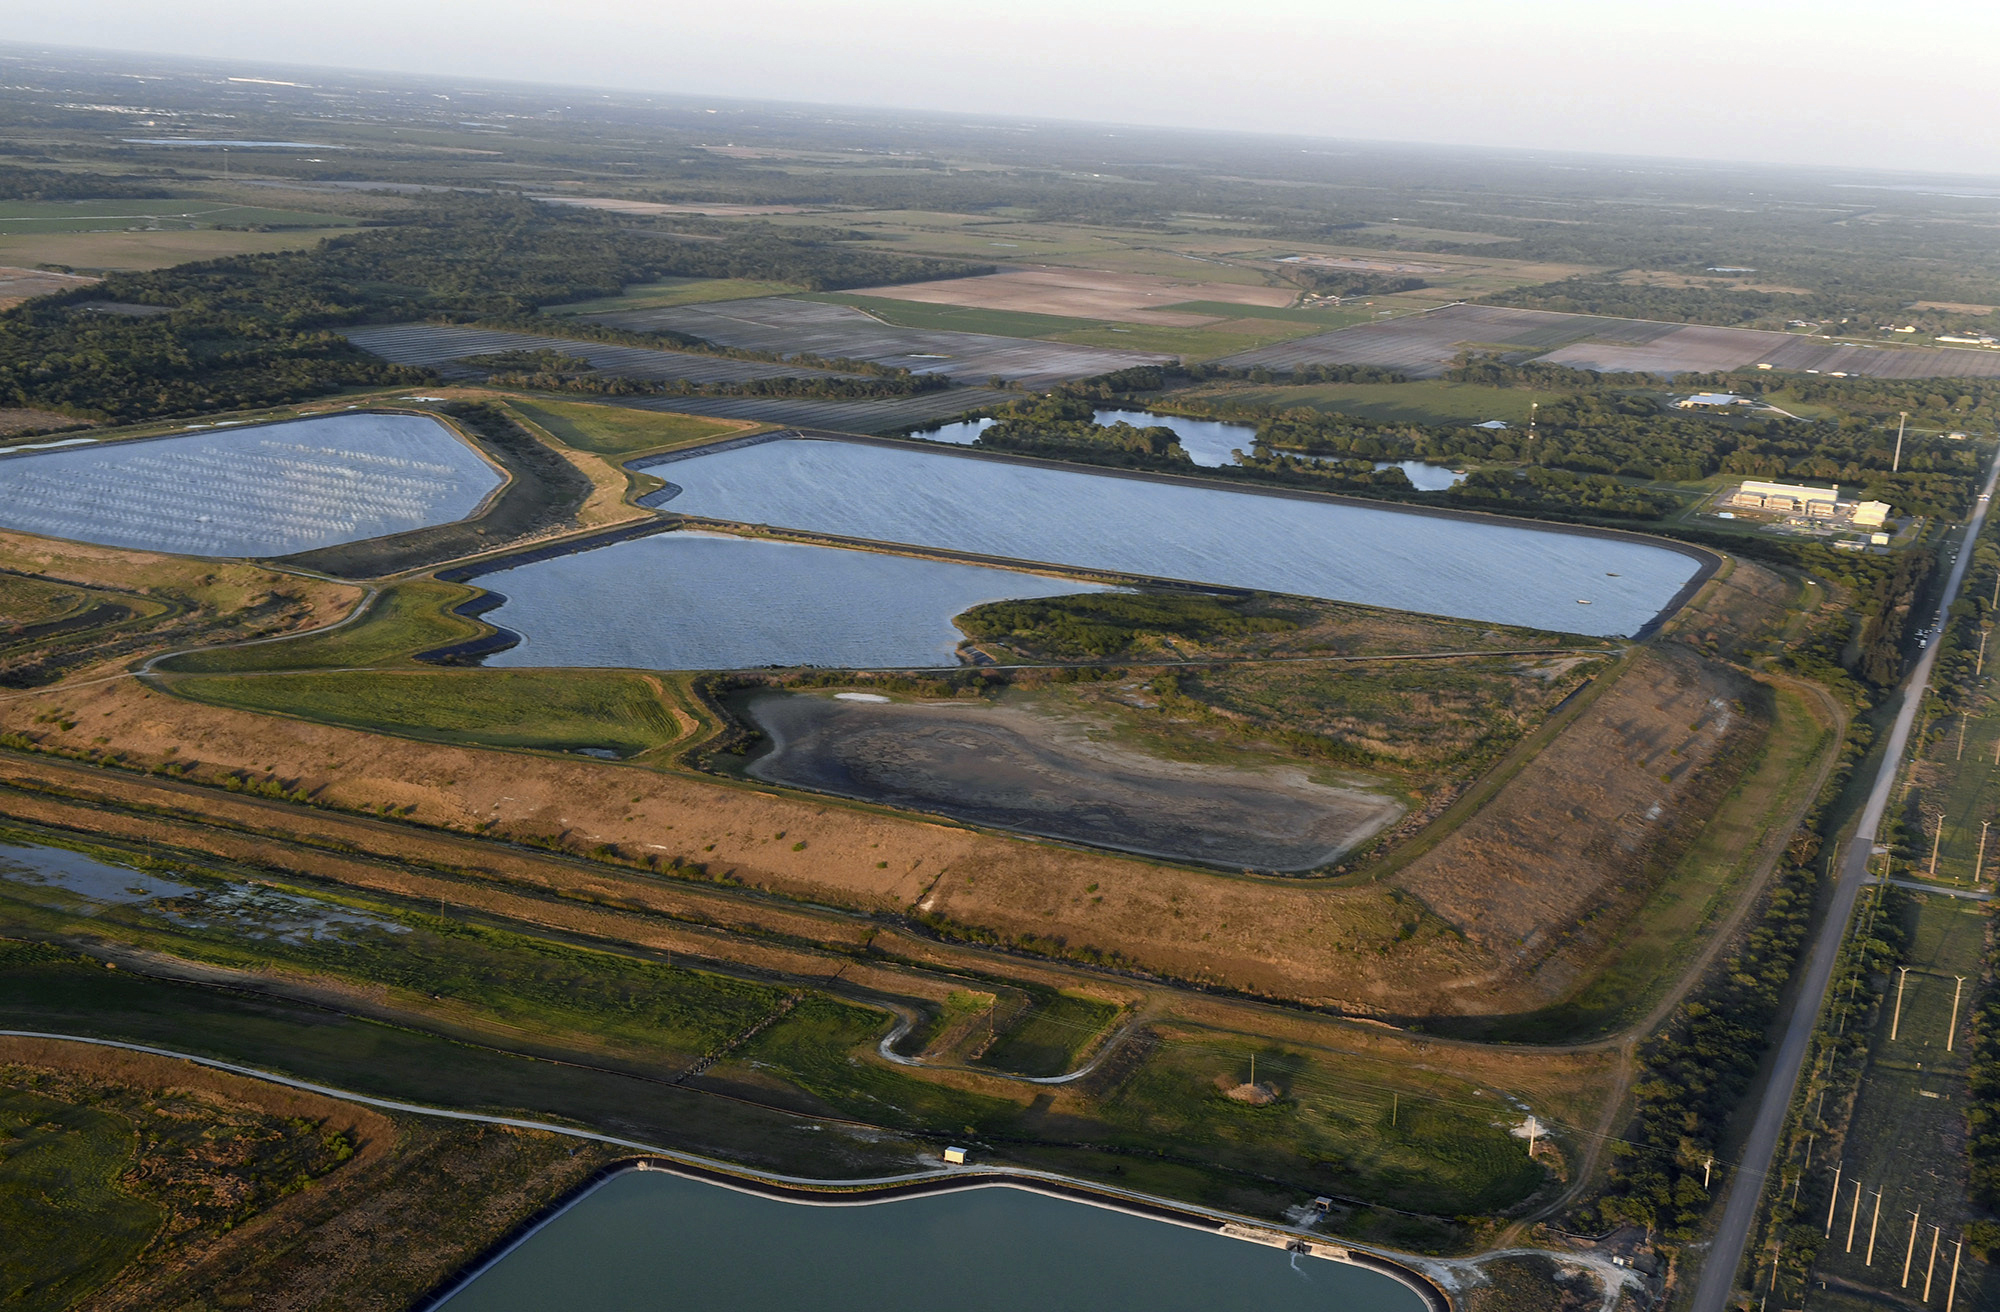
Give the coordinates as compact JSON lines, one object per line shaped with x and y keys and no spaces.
{"x":17,"y":285}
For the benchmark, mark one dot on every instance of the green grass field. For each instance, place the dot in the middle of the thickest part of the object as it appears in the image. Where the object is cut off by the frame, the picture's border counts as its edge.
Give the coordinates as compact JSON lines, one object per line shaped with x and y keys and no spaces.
{"x":1049,"y":1037}
{"x":555,"y":710}
{"x":611,"y":430}
{"x":69,"y":1223}
{"x":677,"y":291}
{"x":1428,"y":401}
{"x":40,"y":216}
{"x":406,"y":618}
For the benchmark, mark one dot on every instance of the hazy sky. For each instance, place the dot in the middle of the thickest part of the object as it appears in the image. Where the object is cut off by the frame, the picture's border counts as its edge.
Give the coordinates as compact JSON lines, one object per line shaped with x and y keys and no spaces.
{"x":1830,"y":82}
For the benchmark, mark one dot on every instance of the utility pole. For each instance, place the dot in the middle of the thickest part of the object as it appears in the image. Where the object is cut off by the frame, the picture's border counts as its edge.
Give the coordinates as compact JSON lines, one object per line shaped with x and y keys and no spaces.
{"x":1896,"y":465}
{"x":1951,"y":1035}
{"x":1706,"y":1167}
{"x":1834,"y":1201}
{"x":1853,"y":1215}
{"x":1394,"y":1098}
{"x":1896,"y":1021}
{"x":1951,"y":1291}
{"x":1961,"y":728}
{"x":1931,"y":1266}
{"x":1910,"y":1253}
{"x":1937,"y":839}
{"x":1981,"y":667}
{"x":1874,"y":1220}
{"x":1534,"y":1132}
{"x":1979,"y":865}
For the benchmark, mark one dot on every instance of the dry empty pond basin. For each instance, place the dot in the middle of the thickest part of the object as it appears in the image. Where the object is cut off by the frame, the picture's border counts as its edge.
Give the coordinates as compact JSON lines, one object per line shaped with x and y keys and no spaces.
{"x":264,"y":490}
{"x":1010,"y":767}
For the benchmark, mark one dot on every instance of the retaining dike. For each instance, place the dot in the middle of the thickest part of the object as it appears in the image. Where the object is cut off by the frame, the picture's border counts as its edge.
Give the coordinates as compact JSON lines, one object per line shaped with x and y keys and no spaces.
{"x":1434,"y":1296}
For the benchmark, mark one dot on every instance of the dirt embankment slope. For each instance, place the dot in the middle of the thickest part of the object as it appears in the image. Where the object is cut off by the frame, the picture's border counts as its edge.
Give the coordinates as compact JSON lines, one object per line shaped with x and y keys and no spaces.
{"x":1547,"y":870}
{"x":1505,"y":914}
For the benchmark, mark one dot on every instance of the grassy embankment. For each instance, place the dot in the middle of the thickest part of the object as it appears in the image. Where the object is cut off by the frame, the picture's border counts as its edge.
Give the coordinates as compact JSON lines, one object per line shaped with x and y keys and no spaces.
{"x":1660,"y":942}
{"x":611,"y":430}
{"x":507,"y":989}
{"x":360,"y":676}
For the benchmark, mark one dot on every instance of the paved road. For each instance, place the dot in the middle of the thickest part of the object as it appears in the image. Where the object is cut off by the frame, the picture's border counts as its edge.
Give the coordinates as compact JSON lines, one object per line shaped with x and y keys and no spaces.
{"x":1718,"y":1273}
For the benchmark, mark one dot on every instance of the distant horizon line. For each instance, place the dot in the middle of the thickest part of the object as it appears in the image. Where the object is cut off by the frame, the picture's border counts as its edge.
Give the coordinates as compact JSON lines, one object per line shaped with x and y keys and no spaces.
{"x":738,"y":102}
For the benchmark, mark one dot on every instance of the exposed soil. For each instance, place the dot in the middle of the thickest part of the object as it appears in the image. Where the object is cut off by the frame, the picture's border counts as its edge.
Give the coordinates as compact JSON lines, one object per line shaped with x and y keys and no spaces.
{"x":20,"y":422}
{"x":17,"y":285}
{"x":1011,"y":767}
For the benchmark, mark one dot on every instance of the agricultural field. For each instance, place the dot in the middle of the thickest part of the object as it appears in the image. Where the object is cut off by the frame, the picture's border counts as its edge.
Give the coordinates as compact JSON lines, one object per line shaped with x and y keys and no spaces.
{"x":788,"y":327}
{"x":1423,"y":347}
{"x":34,"y":218}
{"x":129,"y":250}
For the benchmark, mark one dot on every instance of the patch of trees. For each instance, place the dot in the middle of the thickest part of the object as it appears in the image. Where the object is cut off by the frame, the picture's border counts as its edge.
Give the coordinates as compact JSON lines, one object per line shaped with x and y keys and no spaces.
{"x":17,"y":183}
{"x":1351,"y":282}
{"x":1593,"y":495}
{"x":1063,"y":425}
{"x":257,"y":329}
{"x":1096,"y":625}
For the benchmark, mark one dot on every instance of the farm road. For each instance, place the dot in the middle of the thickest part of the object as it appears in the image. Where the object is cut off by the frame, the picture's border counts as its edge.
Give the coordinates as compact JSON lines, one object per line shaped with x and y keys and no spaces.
{"x":1718,"y":1273}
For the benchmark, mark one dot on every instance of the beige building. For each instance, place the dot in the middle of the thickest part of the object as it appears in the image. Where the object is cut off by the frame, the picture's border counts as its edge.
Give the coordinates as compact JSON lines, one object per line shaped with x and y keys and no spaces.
{"x":1787,"y":498}
{"x":1871,"y":514}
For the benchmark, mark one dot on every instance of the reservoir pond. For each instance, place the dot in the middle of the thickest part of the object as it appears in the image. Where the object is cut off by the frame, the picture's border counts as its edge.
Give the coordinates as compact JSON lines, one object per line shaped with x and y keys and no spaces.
{"x":1488,"y":570}
{"x":263,"y":490}
{"x":648,"y":1241}
{"x":709,"y":601}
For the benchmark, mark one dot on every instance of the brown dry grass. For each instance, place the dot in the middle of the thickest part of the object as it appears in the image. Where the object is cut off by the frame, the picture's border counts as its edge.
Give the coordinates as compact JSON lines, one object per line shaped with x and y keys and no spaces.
{"x":14,"y":421}
{"x":1539,"y":875}
{"x":1366,"y":948}
{"x":17,"y":285}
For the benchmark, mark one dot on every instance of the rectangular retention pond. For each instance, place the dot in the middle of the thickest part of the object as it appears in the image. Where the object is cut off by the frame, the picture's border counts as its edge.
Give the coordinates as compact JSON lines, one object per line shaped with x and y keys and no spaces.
{"x":648,"y":1240}
{"x":262,"y":490}
{"x":708,"y":601}
{"x":1472,"y":567}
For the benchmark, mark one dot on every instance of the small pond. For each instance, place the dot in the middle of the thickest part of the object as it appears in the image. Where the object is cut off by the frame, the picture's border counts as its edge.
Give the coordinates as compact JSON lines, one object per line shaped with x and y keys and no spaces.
{"x":258,"y":490}
{"x":648,"y":1241}
{"x":709,"y":601}
{"x":1473,"y":567}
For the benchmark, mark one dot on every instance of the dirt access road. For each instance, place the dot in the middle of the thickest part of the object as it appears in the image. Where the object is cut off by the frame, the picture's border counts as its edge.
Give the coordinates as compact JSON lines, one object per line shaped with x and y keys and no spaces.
{"x":1718,"y":1273}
